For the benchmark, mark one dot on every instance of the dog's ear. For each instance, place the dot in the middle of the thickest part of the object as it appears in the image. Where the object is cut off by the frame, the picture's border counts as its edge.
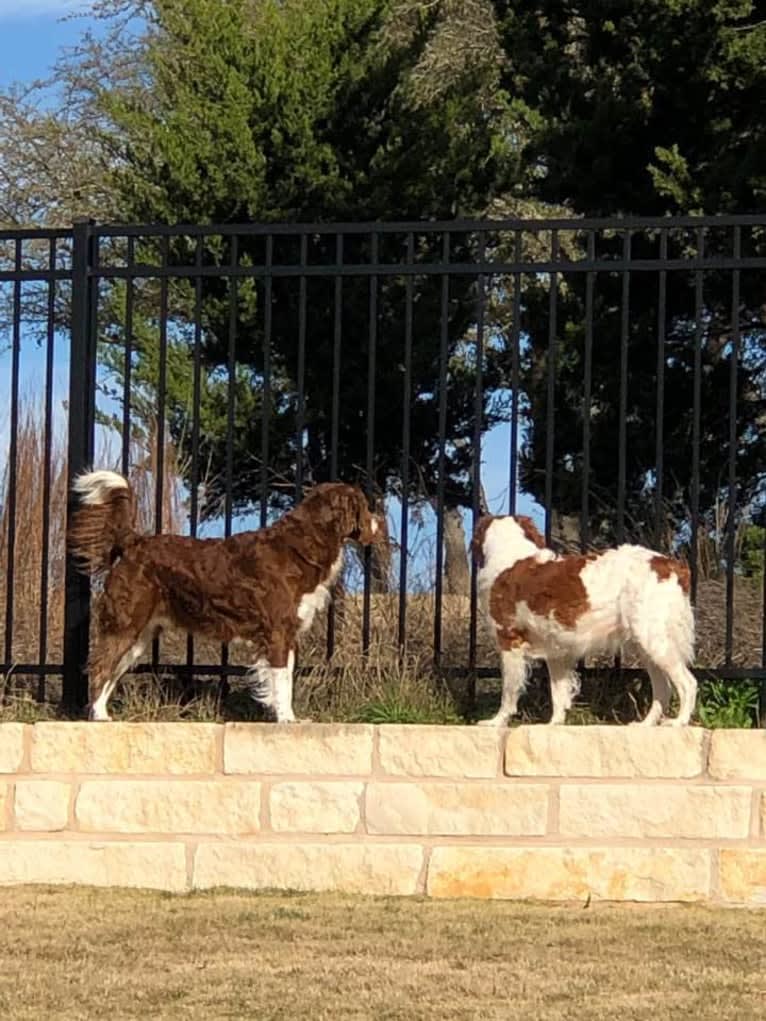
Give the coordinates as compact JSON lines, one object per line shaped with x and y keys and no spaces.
{"x":368,"y":528}
{"x":344,"y":508}
{"x":528,"y":527}
{"x":479,"y":534}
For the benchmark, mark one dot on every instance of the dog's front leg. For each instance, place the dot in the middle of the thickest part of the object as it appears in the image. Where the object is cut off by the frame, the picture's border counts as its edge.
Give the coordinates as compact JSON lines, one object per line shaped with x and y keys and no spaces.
{"x":283,"y":690}
{"x":515,"y":673}
{"x":272,"y":684}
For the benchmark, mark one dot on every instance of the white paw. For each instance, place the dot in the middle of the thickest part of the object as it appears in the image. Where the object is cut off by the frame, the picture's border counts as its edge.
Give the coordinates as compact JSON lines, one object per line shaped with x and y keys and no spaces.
{"x":98,"y":715}
{"x":494,"y":721}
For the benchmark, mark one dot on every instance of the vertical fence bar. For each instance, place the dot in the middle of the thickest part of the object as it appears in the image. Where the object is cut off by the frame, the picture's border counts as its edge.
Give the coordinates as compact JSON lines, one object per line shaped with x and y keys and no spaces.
{"x":231,"y":390}
{"x":42,"y":650}
{"x":551,"y":389}
{"x":335,"y":420}
{"x":13,"y":459}
{"x":409,"y":285}
{"x":231,"y":407}
{"x":301,"y":374}
{"x":623,"y":410}
{"x":336,"y":356}
{"x":370,"y":454}
{"x":266,"y":405}
{"x":696,"y":415}
{"x":660,"y":413}
{"x":513,"y":467}
{"x":443,"y":349}
{"x":128,"y":359}
{"x":587,"y":399}
{"x":81,"y":407}
{"x":159,"y":482}
{"x":159,"y":462}
{"x":196,"y":401}
{"x":476,"y":502}
{"x":732,"y":488}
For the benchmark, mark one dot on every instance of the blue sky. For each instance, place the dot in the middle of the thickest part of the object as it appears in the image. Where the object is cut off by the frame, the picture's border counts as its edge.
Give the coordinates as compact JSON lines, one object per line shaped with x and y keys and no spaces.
{"x":32,"y":36}
{"x":32,"y":32}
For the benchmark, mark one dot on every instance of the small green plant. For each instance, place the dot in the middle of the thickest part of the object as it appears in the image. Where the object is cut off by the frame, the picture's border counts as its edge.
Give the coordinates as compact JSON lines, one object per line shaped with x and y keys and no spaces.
{"x":725,"y":703}
{"x":394,"y":709}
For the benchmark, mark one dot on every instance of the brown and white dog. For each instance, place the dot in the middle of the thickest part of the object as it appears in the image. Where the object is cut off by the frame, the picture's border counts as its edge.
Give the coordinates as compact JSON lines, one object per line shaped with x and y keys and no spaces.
{"x":563,"y":608}
{"x":262,"y":587}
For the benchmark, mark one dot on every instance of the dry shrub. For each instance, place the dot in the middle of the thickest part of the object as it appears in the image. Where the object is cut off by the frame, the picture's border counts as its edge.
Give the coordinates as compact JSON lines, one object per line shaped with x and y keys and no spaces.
{"x":29,"y":544}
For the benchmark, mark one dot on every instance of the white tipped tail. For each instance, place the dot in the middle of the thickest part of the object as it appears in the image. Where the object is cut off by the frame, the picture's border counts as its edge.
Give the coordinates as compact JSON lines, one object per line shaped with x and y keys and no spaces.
{"x":102,"y":526}
{"x":95,"y":487}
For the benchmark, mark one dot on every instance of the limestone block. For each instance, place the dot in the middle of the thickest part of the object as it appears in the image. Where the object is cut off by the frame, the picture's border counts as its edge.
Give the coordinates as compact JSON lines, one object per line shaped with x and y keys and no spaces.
{"x":454,"y":808}
{"x":170,"y":748}
{"x":168,"y":806}
{"x":383,"y":869}
{"x":312,"y":749}
{"x":565,"y":874}
{"x":650,"y":811}
{"x":742,"y":875}
{"x":329,"y":807}
{"x":610,"y":752}
{"x":11,"y":746}
{"x":455,"y":752}
{"x":42,"y":804}
{"x":156,"y":866}
{"x":737,"y":755}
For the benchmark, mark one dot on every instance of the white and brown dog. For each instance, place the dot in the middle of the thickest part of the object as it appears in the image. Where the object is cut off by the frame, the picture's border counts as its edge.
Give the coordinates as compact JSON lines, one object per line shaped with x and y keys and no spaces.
{"x":563,"y":608}
{"x":262,"y":587}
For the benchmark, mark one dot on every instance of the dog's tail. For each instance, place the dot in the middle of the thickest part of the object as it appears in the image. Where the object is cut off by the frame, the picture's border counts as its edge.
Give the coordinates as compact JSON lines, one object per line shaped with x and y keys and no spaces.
{"x":102,"y":527}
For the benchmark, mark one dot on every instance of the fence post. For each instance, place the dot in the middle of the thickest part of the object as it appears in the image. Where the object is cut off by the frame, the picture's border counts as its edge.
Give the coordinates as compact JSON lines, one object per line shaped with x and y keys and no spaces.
{"x":82,"y":365}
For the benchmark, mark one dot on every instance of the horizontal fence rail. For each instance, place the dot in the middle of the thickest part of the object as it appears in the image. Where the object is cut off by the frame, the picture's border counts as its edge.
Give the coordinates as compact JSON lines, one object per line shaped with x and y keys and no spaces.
{"x":606,"y":376}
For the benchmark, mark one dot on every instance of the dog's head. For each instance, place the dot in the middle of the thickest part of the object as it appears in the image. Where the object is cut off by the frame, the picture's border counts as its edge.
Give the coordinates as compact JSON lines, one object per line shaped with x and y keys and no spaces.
{"x":514,"y":529}
{"x":344,"y":508}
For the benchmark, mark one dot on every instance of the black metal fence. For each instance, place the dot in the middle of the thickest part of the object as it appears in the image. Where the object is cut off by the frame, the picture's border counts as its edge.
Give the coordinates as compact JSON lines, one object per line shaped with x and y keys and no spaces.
{"x":608,"y":376}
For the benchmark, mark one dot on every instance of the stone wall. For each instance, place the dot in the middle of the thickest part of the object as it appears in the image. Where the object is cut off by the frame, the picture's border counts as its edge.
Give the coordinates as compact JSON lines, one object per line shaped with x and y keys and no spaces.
{"x":614,"y":813}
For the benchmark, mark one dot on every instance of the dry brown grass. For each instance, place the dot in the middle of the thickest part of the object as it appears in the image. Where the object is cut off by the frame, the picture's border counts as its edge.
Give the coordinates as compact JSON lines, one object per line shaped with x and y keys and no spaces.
{"x":30,"y":528}
{"x":82,"y":953}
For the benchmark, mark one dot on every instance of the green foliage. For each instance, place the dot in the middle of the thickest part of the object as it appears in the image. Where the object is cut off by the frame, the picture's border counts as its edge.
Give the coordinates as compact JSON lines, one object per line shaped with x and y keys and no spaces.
{"x":396,"y":709}
{"x":392,"y":109}
{"x":728,"y":703}
{"x":671,"y":177}
{"x":295,"y":111}
{"x":674,"y":84}
{"x":650,"y":111}
{"x":751,"y":551}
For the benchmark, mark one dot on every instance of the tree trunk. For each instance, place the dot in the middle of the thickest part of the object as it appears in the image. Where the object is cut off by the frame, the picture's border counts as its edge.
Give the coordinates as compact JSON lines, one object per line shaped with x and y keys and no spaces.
{"x":565,"y":530}
{"x":457,"y":571}
{"x":380,"y":557}
{"x":380,"y":568}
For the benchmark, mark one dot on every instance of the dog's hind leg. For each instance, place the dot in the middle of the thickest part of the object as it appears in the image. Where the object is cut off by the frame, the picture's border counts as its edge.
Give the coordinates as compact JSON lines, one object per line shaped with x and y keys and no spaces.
{"x":565,"y":684}
{"x":660,"y":695}
{"x":515,"y":671}
{"x":112,"y":656}
{"x":685,"y":684}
